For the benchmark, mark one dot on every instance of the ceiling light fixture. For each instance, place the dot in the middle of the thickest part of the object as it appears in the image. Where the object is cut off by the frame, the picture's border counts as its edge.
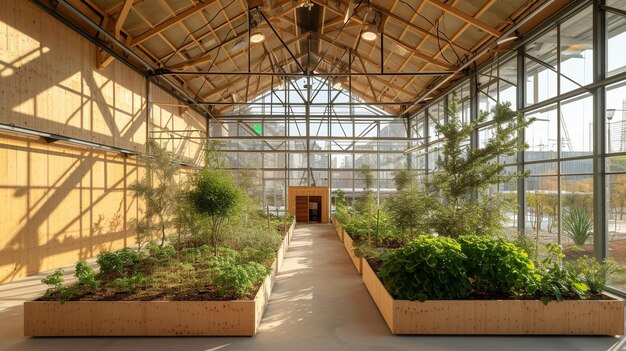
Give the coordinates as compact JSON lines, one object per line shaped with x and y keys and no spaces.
{"x":506,"y":40}
{"x":337,"y":83}
{"x":370,"y":33}
{"x":256,"y":36}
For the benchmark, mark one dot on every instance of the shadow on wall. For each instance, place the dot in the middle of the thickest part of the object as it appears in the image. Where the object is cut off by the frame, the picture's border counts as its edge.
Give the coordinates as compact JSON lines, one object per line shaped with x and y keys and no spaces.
{"x":61,"y":204}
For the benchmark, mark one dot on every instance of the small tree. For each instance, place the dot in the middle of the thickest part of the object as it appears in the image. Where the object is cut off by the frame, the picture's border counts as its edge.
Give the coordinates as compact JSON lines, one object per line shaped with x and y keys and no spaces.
{"x":215,"y":197}
{"x":467,"y":172}
{"x":159,"y":191}
{"x":367,"y":202}
{"x":408,"y":211}
{"x":403,"y":179}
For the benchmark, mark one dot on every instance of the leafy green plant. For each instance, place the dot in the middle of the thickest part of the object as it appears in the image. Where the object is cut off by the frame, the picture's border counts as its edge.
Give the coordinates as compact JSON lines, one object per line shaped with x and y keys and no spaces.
{"x":578,"y":225}
{"x":556,"y":282}
{"x":161,"y":253}
{"x":215,"y":197}
{"x":239,"y":278}
{"x":426,"y":268}
{"x":594,"y":273}
{"x":159,"y":191}
{"x":496,"y":266}
{"x":129,"y":284}
{"x":118,"y":262}
{"x":366,"y":203}
{"x":238,"y":272}
{"x":86,"y":276}
{"x":54,"y":281}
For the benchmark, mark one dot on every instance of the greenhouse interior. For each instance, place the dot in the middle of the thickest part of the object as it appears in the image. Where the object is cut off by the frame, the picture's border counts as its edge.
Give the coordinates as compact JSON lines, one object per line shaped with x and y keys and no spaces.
{"x":312,"y":174}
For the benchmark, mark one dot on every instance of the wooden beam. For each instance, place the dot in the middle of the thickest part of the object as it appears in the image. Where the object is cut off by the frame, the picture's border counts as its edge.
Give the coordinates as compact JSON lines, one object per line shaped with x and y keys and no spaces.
{"x":465,"y":17}
{"x":172,"y":21}
{"x":128,"y":4}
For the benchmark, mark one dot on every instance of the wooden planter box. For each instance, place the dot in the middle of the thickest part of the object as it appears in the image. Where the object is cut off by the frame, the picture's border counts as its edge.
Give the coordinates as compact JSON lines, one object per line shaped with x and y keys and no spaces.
{"x":508,"y":317}
{"x":349,"y":245}
{"x":152,"y":318}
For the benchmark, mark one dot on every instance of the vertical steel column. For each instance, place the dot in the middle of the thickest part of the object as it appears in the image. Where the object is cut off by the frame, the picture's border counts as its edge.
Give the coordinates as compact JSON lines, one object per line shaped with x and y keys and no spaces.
{"x":378,"y":164}
{"x":308,"y":112}
{"x":427,"y":139}
{"x":600,"y":242}
{"x":474,"y":101}
{"x":521,"y":96}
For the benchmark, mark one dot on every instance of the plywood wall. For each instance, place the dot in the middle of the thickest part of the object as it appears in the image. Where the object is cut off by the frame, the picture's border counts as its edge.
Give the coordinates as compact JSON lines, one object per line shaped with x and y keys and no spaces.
{"x":58,"y":202}
{"x":295,"y":191}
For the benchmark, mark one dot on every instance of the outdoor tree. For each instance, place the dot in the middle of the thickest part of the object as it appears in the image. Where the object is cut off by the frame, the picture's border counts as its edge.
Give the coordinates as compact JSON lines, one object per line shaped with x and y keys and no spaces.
{"x":159,"y":191}
{"x":466,"y":173}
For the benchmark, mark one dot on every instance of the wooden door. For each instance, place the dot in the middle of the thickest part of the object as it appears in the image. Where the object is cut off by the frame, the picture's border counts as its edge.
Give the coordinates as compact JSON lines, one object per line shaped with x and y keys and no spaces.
{"x":302,"y":209}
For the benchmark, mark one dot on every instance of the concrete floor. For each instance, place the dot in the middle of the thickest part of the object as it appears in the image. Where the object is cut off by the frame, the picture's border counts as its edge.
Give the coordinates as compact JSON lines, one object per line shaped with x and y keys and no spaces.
{"x":318,"y":303}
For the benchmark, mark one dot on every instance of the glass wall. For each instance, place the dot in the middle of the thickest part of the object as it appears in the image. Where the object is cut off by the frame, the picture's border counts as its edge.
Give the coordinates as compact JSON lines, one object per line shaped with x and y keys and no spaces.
{"x":278,"y":140}
{"x":572,"y":110}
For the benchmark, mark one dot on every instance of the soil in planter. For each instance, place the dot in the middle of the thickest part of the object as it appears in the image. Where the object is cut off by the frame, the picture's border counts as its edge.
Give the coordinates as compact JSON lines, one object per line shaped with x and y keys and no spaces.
{"x":183,"y":276}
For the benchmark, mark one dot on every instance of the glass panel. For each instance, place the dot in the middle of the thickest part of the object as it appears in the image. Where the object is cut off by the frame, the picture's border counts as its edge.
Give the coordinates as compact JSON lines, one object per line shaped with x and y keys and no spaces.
{"x":616,"y":117}
{"x":616,"y":203}
{"x":577,"y":215}
{"x":616,"y":164}
{"x":616,"y":39}
{"x":541,"y":135}
{"x":577,"y":51}
{"x":577,"y":127}
{"x":542,"y":209}
{"x":541,"y":65}
{"x":508,"y":82}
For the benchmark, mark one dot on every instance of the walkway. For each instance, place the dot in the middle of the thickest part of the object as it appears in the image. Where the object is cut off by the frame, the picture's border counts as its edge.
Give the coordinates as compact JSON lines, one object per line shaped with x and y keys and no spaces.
{"x":319,"y":303}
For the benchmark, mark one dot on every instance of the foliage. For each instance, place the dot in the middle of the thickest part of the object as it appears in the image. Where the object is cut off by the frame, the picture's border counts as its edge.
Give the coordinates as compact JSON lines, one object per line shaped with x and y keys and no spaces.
{"x":161,"y":253}
{"x":86,"y":276}
{"x":159,"y":191}
{"x":403,"y":179}
{"x":409,"y":210}
{"x":237,"y":273}
{"x":365,"y":203}
{"x":54,"y":281}
{"x":495,"y":266}
{"x":555,"y":282}
{"x":578,"y":225}
{"x":340,"y":199}
{"x":468,"y":172}
{"x":129,"y":284}
{"x":374,"y":230}
{"x":214,"y":196}
{"x":426,"y":268}
{"x":119,"y":262}
{"x":595,"y":274}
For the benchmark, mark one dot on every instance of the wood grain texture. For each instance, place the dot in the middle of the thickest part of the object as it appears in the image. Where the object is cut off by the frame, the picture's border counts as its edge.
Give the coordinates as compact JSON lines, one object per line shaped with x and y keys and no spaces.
{"x":295,"y":191}
{"x":66,"y":202}
{"x":495,"y":317}
{"x":349,"y":245}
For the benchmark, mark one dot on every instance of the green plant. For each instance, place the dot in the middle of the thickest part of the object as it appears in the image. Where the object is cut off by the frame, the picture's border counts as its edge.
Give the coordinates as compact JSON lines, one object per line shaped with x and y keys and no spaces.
{"x":118,"y":262}
{"x":215,"y":197}
{"x":403,"y":179}
{"x":340,"y":199}
{"x":159,"y":192}
{"x":578,"y":225}
{"x":86,"y":276}
{"x":466,"y":173}
{"x":238,"y":272}
{"x":161,"y":253}
{"x":556,"y":282}
{"x":426,"y":268}
{"x":239,"y":278}
{"x":54,"y":281}
{"x":129,"y":284}
{"x":595,"y":274}
{"x":364,"y":204}
{"x":495,"y":266}
{"x":408,"y":210}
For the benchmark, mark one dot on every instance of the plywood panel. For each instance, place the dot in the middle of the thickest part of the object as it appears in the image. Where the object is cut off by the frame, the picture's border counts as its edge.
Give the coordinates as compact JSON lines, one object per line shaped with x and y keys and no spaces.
{"x":321,"y":191}
{"x":61,"y":204}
